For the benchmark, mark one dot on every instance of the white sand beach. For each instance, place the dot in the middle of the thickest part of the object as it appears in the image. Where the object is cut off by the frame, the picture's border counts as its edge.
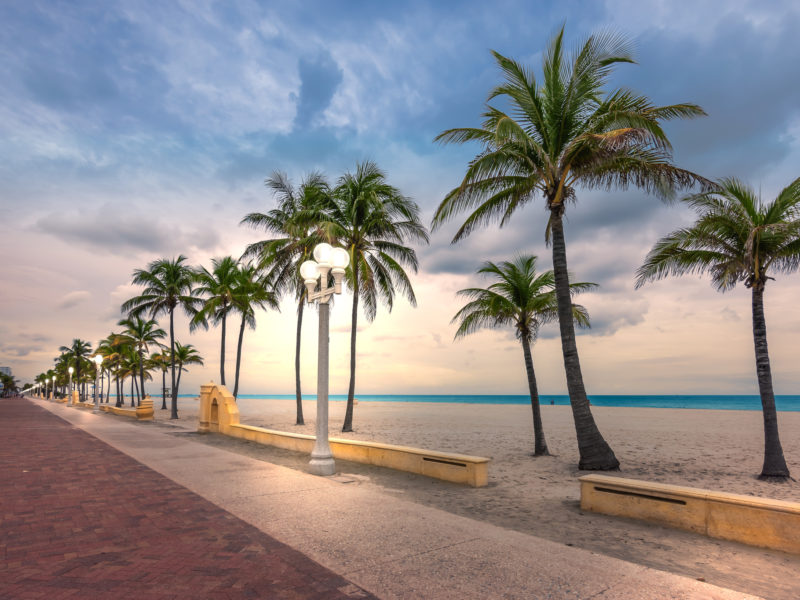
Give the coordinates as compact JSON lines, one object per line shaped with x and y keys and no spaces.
{"x":711,"y":449}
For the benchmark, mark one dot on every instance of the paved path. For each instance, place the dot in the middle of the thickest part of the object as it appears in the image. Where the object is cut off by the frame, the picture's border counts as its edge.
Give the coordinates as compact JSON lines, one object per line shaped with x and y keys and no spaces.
{"x":393,"y":548}
{"x":79,"y":519}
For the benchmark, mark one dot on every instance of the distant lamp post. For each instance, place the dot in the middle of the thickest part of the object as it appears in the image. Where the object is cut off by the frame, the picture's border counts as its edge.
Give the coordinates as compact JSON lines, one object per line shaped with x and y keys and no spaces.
{"x":328,"y":260}
{"x":98,"y":360}
{"x":71,"y":370}
{"x":53,"y":387}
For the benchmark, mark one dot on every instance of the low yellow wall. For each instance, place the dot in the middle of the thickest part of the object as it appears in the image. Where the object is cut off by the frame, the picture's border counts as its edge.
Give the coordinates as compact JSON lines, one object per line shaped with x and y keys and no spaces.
{"x":219,"y":413}
{"x":755,"y":521}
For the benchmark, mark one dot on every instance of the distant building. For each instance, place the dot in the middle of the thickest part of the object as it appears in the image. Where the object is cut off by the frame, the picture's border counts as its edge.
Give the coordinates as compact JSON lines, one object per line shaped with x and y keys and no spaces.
{"x":5,"y":371}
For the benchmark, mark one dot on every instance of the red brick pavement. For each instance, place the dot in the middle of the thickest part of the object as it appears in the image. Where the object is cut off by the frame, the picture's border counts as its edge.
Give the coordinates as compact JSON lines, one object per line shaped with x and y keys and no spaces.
{"x":80,"y":520}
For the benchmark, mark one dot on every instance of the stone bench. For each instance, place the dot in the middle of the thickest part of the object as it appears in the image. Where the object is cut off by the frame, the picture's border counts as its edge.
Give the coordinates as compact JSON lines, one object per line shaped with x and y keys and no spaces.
{"x":219,"y":413}
{"x":751,"y":520}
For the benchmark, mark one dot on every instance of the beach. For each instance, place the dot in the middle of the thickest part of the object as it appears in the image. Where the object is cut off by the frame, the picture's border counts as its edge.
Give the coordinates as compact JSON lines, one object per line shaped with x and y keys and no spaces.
{"x":712,"y":449}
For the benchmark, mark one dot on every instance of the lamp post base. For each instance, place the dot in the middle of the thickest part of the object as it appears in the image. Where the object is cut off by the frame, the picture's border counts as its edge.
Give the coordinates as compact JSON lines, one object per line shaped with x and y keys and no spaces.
{"x":322,"y":466}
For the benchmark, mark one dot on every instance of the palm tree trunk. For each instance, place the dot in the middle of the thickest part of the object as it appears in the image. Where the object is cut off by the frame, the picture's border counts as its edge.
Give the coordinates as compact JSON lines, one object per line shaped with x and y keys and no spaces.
{"x":163,"y":389}
{"x":174,"y":414}
{"x":774,"y":462}
{"x":539,"y":443}
{"x":178,"y":383}
{"x":595,"y":453}
{"x":119,"y":390}
{"x":141,"y":376}
{"x":222,"y":349}
{"x":238,"y":359}
{"x":351,"y":391}
{"x":133,"y":382}
{"x":299,"y":396}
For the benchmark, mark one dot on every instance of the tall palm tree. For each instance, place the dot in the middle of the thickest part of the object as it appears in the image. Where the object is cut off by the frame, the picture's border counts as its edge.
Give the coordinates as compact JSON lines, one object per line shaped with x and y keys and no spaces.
{"x":294,"y":221}
{"x":563,"y":132}
{"x":373,"y":221}
{"x":522,"y":299}
{"x":249,"y":294}
{"x":185,"y":355}
{"x":79,"y":352}
{"x":168,"y":284}
{"x":142,"y":333}
{"x":216,"y":289}
{"x":738,"y":238}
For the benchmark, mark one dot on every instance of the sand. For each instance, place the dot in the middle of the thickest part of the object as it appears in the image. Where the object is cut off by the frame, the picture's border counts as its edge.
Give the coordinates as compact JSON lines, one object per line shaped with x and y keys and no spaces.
{"x":712,"y":449}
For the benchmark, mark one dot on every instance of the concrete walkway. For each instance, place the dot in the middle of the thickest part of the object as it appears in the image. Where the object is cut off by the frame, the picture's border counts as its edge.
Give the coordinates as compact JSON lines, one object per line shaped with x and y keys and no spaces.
{"x":390,"y":547}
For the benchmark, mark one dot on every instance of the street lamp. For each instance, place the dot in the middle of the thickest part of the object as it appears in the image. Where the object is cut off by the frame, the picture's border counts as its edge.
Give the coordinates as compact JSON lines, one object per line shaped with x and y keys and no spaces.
{"x":98,"y":360}
{"x":71,"y":370}
{"x":53,"y":388}
{"x":328,"y":260}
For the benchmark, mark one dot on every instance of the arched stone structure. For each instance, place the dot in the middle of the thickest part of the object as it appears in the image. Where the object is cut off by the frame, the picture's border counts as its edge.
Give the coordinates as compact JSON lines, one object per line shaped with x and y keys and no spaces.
{"x":218,"y":410}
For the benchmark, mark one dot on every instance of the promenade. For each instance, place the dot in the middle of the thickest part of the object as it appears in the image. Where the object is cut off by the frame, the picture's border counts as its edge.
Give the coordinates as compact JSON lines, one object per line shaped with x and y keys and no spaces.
{"x":82,"y":519}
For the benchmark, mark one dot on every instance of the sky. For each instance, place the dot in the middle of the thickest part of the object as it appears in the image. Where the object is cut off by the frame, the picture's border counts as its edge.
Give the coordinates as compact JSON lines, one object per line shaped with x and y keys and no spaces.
{"x":131,"y":131}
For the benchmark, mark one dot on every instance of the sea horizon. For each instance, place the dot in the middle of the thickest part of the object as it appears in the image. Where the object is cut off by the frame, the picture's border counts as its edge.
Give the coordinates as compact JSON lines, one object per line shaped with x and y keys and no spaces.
{"x":783,"y":402}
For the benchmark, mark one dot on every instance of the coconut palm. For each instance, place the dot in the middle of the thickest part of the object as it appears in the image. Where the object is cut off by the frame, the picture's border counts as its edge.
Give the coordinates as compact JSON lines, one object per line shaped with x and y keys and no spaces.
{"x":373,"y":221}
{"x":249,"y":294}
{"x":185,"y":355}
{"x":160,"y":360}
{"x":522,"y":299}
{"x":562,"y":132}
{"x":79,"y":352}
{"x":738,"y":238}
{"x":141,"y":334}
{"x":128,"y":364}
{"x":109,"y":348}
{"x":216,"y":289}
{"x":168,"y":284}
{"x":294,"y":220}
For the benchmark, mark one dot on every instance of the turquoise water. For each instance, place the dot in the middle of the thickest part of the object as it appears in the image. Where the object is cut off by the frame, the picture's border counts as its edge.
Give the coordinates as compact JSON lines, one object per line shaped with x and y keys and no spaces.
{"x":720,"y":402}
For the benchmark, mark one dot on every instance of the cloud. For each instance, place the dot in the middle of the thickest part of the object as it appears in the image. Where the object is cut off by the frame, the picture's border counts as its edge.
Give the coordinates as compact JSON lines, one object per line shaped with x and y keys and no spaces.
{"x":20,"y":350}
{"x":118,"y":232}
{"x":319,"y":79}
{"x":73,"y":299}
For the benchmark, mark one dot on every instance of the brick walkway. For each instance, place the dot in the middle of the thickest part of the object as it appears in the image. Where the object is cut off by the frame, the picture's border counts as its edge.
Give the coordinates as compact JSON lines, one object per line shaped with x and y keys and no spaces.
{"x":78,"y":519}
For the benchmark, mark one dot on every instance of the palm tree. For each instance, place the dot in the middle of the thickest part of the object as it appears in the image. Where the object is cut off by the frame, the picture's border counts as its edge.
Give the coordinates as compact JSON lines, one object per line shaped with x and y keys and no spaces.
{"x":249,"y":294}
{"x":141,"y":334}
{"x":521,"y":299}
{"x":168,"y":284}
{"x":161,"y":361}
{"x":280,"y":258}
{"x":109,"y":348}
{"x":563,"y":132}
{"x":79,"y":352}
{"x":185,"y":355}
{"x":372,"y":220}
{"x":128,"y":363}
{"x":738,"y":238}
{"x":216,"y":289}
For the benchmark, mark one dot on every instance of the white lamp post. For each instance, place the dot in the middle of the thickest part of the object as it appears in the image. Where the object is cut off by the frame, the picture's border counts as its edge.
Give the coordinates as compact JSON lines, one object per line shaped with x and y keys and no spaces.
{"x":335,"y":261}
{"x":53,"y":388}
{"x":98,"y":360}
{"x":71,"y":370}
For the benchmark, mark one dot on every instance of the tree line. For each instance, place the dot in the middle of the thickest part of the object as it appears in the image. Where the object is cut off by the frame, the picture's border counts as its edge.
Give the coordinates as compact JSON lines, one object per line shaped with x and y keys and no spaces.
{"x":561,"y":131}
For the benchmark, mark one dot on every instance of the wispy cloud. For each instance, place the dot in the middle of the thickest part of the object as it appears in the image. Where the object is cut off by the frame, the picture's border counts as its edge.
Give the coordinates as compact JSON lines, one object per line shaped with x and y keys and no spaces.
{"x":73,"y":299}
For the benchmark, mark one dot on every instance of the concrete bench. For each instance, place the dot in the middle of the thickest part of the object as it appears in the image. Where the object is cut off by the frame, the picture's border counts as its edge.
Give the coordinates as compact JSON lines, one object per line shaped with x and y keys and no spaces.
{"x":458,"y":468}
{"x":143,"y":412}
{"x":219,"y":413}
{"x":751,"y":520}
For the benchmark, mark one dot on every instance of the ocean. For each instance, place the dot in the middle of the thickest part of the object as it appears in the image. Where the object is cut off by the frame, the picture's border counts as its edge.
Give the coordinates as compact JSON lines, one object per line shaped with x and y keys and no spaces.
{"x":717,"y":402}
